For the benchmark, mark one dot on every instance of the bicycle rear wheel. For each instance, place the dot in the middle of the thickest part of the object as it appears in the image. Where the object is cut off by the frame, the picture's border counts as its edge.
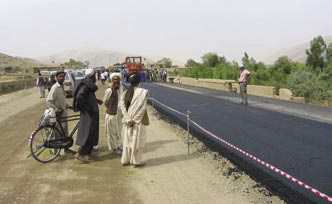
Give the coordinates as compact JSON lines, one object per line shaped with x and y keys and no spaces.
{"x":37,"y":143}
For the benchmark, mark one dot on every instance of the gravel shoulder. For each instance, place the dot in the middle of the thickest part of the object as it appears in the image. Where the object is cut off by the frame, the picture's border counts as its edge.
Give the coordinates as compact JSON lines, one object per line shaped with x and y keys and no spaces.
{"x":203,"y":176}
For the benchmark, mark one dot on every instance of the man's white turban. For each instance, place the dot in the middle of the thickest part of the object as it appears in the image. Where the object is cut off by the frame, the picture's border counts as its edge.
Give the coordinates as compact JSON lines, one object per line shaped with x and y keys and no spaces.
{"x":116,"y":74}
{"x":89,"y":72}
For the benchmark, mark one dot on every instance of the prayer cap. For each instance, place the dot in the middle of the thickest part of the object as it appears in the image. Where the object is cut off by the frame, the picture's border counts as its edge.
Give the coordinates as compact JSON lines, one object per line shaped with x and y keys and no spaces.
{"x":89,"y":72}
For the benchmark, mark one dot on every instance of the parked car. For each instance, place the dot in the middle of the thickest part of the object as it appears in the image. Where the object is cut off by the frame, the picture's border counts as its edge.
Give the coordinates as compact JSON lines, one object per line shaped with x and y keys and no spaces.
{"x":78,"y":75}
{"x":68,"y":84}
{"x":71,"y":79}
{"x":45,"y":73}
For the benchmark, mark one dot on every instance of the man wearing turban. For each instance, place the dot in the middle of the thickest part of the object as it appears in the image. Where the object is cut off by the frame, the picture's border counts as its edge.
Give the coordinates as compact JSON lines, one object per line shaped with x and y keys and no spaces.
{"x":87,"y":103}
{"x":113,"y":124}
{"x":135,"y":119}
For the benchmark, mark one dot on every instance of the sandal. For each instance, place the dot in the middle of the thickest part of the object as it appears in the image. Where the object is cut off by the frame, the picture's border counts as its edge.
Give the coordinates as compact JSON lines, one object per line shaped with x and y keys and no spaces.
{"x":81,"y":159}
{"x":69,"y":151}
{"x":94,"y":157}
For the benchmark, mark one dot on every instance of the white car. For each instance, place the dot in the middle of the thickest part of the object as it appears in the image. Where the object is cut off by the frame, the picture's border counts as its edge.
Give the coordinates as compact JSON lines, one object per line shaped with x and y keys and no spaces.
{"x":78,"y":75}
{"x":71,"y":79}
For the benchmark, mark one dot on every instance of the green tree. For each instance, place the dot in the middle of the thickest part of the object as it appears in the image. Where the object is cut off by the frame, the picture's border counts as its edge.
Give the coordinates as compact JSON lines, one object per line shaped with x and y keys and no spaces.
{"x":210,"y":59}
{"x":249,"y":63}
{"x":222,"y":60}
{"x":283,"y":65}
{"x":217,"y":72}
{"x":329,"y":53}
{"x":245,"y":59}
{"x":315,"y":58}
{"x":74,"y":63}
{"x":260,"y":75}
{"x":166,"y":61}
{"x":191,"y":63}
{"x":280,"y":70}
{"x":87,"y":63}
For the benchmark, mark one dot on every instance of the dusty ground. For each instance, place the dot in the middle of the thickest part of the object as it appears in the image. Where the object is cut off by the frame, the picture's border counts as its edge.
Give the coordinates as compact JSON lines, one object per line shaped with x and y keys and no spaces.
{"x":170,"y":175}
{"x":14,"y":103}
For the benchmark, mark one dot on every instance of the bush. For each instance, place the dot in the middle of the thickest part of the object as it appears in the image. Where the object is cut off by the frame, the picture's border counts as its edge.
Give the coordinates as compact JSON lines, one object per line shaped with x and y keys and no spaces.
{"x":230,"y":72}
{"x":261,"y":77}
{"x":199,"y":71}
{"x":308,"y":85}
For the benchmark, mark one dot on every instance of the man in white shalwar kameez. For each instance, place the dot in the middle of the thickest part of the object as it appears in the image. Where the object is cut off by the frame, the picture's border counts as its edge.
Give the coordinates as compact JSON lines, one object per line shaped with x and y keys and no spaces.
{"x":133,"y":106}
{"x":113,"y":123}
{"x":56,"y":100}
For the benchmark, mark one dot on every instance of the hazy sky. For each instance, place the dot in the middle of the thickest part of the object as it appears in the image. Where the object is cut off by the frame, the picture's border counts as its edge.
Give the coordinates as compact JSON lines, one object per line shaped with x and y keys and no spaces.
{"x":179,"y":29}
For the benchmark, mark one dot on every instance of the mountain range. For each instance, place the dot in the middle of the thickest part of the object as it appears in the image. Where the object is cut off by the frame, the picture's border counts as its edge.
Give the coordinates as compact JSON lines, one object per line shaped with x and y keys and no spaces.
{"x":10,"y":61}
{"x":296,"y":53}
{"x":102,"y":57}
{"x":96,"y":57}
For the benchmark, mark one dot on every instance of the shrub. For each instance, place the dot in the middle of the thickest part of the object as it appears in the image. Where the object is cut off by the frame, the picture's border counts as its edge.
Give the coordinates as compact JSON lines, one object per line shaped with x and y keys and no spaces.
{"x":308,"y":85}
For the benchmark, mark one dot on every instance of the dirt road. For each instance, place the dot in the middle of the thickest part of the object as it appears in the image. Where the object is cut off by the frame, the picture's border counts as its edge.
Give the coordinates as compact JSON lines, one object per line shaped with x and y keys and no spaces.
{"x":170,"y":175}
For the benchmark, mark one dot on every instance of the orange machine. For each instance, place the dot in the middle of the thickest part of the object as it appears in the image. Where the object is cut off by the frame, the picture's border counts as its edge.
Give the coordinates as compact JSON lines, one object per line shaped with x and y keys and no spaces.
{"x":134,"y":64}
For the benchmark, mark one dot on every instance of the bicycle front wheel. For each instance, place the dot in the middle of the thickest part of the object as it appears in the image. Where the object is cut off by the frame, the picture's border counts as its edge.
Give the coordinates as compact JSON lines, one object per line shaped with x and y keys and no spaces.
{"x":37,"y":143}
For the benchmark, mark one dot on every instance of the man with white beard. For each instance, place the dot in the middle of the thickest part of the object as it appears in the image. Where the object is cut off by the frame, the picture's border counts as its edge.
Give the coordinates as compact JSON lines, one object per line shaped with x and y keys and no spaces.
{"x":113,"y":124}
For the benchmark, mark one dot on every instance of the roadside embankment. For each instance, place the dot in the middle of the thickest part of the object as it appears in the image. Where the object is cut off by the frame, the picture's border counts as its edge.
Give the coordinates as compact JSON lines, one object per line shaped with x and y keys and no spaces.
{"x":11,"y":86}
{"x":233,"y":86}
{"x":18,"y":101}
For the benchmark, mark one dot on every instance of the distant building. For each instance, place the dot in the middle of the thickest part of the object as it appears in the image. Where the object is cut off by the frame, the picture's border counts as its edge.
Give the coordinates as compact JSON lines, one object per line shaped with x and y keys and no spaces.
{"x":45,"y":68}
{"x":155,"y":66}
{"x":9,"y":70}
{"x":159,"y":66}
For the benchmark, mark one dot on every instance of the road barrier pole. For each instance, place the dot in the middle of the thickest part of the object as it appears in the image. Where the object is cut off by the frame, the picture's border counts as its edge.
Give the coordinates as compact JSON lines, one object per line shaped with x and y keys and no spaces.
{"x":153,"y":110}
{"x":188,"y":123}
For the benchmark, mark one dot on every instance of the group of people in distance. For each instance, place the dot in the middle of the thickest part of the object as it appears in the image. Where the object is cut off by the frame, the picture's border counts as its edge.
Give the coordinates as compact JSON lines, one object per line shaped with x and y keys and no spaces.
{"x":154,"y":75}
{"x":42,"y":83}
{"x":125,"y":112}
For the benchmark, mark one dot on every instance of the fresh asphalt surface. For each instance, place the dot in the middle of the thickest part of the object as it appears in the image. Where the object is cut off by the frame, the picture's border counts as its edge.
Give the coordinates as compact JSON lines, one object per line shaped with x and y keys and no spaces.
{"x":298,"y":146}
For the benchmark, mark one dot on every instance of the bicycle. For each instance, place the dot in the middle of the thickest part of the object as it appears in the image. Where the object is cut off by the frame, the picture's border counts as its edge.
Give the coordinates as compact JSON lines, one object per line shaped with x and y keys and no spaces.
{"x":46,"y":141}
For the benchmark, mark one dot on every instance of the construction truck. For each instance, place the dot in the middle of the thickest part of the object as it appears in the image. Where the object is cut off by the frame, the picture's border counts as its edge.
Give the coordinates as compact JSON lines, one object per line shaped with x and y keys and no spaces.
{"x":135,"y":64}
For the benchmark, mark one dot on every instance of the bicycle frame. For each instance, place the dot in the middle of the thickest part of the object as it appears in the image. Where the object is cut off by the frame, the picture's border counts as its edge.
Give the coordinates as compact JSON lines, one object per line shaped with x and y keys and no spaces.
{"x":62,"y":120}
{"x":67,"y":119}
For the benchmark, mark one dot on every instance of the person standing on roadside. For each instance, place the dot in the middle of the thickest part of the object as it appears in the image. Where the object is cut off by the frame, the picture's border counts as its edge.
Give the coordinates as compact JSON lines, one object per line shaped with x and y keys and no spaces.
{"x":41,"y":83}
{"x":113,"y":124}
{"x":87,"y":104}
{"x":135,"y":119}
{"x":51,"y":82}
{"x":56,"y":99}
{"x":243,"y":81}
{"x":107,"y":77}
{"x":103,"y":78}
{"x":98,"y":75}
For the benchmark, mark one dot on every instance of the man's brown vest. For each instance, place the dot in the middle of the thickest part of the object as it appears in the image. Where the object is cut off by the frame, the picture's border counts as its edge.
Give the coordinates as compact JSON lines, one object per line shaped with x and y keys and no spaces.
{"x":112,"y":106}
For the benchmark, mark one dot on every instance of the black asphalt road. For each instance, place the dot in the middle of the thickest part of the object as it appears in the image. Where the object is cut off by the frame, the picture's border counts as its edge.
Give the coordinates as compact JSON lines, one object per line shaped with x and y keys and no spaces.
{"x":300,"y":147}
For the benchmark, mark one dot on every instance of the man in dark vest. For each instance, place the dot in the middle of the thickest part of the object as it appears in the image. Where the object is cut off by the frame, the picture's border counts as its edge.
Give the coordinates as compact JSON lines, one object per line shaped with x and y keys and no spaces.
{"x":88,"y":132}
{"x":113,"y":124}
{"x":41,"y":84}
{"x":51,"y":82}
